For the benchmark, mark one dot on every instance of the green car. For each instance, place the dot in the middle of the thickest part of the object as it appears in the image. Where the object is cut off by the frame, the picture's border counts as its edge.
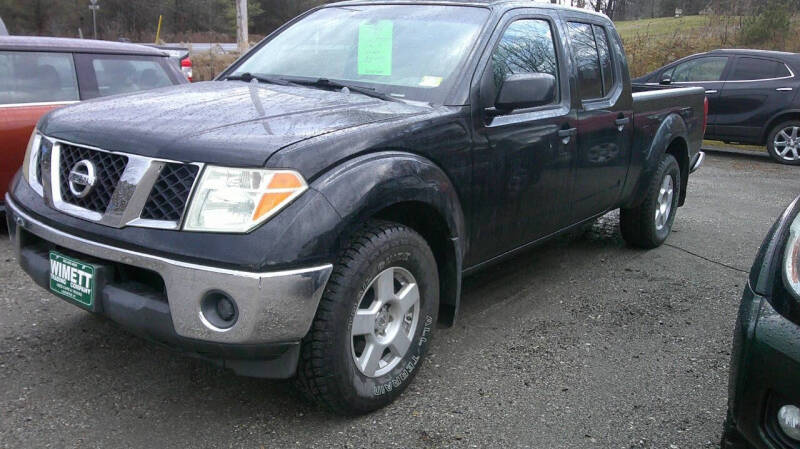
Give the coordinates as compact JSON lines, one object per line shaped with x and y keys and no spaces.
{"x":764,"y":392}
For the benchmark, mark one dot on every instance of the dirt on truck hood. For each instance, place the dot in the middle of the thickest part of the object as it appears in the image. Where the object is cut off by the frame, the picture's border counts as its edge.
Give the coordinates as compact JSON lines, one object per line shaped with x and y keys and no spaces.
{"x":222,"y":122}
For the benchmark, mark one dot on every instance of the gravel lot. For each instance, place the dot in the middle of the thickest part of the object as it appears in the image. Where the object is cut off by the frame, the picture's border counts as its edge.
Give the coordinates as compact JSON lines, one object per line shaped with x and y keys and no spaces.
{"x":582,"y":343}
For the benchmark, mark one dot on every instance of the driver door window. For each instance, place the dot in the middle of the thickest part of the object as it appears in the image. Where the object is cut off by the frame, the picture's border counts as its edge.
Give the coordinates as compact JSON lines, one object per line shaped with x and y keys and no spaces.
{"x":526,"y":47}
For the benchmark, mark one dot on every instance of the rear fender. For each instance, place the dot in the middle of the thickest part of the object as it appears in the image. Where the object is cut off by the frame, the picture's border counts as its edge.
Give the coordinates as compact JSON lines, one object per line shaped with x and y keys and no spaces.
{"x":791,"y":114}
{"x":672,"y":129}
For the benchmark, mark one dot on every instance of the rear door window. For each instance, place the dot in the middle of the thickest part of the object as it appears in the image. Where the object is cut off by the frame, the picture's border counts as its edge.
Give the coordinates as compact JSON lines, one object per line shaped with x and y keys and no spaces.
{"x":754,"y":69}
{"x":700,"y":69}
{"x":604,"y":51}
{"x":584,"y":51}
{"x":592,"y":54}
{"x":104,"y":75}
{"x":37,"y":77}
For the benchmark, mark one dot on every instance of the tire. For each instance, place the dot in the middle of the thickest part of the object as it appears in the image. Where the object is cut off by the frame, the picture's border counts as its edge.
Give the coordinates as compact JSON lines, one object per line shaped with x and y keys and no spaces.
{"x":787,"y":133}
{"x":641,"y":226}
{"x":328,"y":370}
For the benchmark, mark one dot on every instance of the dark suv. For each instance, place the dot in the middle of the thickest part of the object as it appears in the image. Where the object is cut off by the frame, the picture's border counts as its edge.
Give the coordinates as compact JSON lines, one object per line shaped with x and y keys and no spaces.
{"x":752,"y":96}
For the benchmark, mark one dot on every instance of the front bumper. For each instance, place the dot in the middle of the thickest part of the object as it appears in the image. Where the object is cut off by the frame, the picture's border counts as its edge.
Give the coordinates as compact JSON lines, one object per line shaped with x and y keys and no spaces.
{"x":697,"y":162}
{"x":274,"y":307}
{"x":765,"y":367}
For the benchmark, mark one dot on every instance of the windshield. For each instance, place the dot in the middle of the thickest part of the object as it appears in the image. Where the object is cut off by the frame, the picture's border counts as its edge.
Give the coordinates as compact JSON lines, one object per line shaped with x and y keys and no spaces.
{"x":407,"y":51}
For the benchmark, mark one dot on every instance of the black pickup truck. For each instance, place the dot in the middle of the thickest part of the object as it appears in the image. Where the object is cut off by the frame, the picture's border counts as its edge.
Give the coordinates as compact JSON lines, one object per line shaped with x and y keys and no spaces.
{"x":311,"y":212}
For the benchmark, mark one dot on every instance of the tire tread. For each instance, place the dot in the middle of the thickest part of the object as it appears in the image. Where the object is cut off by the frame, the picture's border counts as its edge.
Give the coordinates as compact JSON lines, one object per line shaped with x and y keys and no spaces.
{"x":637,"y":224}
{"x":314,"y":377}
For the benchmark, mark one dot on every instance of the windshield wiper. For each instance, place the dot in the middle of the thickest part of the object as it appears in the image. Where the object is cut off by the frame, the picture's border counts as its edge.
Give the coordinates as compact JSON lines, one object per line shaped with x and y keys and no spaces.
{"x":368,"y":91}
{"x":248,"y":77}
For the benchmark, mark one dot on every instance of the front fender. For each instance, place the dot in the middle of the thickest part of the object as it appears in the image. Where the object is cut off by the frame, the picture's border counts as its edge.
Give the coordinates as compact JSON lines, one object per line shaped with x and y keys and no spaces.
{"x":672,"y":128}
{"x":396,"y":184}
{"x":361,"y":187}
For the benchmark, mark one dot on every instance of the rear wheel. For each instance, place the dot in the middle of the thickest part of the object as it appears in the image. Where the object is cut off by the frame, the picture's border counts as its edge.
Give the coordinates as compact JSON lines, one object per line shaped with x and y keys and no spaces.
{"x":649,"y":224}
{"x":374,"y":321}
{"x":783,"y":143}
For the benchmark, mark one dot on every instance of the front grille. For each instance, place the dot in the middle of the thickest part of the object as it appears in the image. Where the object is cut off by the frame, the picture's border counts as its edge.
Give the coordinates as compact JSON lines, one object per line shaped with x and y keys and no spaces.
{"x":109,"y":168}
{"x":170,"y":193}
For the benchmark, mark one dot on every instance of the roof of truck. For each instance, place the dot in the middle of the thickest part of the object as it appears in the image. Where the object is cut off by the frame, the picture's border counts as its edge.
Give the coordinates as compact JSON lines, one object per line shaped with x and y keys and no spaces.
{"x":36,"y":43}
{"x":503,"y":4}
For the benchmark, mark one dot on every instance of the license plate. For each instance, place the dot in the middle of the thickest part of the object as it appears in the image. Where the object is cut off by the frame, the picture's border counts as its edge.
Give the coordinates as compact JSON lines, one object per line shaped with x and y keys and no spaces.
{"x":72,"y":279}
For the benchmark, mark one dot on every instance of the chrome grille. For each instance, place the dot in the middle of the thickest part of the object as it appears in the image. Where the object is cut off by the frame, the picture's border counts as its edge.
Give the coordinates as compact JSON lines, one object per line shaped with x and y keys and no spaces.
{"x":170,"y":193}
{"x":109,"y":167}
{"x":128,"y":189}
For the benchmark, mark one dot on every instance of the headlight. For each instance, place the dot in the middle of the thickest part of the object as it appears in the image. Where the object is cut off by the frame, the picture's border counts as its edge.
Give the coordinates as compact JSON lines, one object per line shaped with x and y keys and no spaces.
{"x":791,"y":260}
{"x":239,"y":199}
{"x":30,"y":165}
{"x":32,"y":152}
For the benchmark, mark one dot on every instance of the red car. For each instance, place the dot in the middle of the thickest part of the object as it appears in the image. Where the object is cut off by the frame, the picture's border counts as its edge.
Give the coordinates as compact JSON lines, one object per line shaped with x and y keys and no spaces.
{"x":38,"y":74}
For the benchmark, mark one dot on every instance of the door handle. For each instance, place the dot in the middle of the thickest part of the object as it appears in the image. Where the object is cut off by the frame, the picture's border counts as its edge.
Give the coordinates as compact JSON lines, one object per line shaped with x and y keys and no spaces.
{"x":566,"y":134}
{"x":712,"y":91}
{"x":621,"y":122}
{"x":784,"y":89}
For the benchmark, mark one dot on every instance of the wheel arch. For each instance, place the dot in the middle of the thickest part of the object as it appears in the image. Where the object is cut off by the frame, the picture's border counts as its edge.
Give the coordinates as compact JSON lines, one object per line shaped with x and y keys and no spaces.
{"x":671,"y":137}
{"x":776,"y":120}
{"x":679,"y":149}
{"x":411,"y":190}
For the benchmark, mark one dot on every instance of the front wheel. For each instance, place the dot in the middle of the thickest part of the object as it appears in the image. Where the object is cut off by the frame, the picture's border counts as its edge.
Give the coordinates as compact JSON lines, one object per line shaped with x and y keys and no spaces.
{"x":374,"y":321}
{"x":783,"y":143}
{"x":649,"y":224}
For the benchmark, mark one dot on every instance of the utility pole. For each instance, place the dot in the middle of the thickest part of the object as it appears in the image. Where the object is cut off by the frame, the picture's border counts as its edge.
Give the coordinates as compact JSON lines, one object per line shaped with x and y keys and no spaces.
{"x":94,"y":7}
{"x":242,"y":37}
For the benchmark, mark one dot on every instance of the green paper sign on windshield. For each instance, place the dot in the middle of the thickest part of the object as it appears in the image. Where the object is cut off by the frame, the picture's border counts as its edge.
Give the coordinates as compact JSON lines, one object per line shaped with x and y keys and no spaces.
{"x":375,"y":48}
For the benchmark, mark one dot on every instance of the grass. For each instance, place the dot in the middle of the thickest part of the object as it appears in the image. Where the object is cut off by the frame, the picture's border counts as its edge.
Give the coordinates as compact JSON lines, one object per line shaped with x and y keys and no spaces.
{"x":652,"y":43}
{"x":723,"y":145}
{"x":205,"y":66}
{"x":663,"y":26}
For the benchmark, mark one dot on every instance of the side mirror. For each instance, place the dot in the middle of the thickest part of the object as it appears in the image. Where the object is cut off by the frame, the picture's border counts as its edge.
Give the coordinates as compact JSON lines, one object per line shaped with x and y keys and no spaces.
{"x":666,"y":79}
{"x":526,"y":90}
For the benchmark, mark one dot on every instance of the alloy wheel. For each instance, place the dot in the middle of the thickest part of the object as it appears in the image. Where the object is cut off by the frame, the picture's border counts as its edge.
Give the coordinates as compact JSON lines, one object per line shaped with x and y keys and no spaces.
{"x":385,"y":322}
{"x":664,"y":202}
{"x":787,"y":143}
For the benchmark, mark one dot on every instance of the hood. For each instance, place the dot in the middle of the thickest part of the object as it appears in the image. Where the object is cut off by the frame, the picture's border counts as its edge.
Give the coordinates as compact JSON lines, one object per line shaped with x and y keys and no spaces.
{"x":219,"y":122}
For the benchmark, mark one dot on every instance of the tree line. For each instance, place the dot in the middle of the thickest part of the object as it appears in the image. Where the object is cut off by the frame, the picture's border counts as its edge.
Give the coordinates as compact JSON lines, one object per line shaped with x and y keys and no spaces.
{"x":215,"y":20}
{"x":642,"y":9}
{"x":137,"y":20}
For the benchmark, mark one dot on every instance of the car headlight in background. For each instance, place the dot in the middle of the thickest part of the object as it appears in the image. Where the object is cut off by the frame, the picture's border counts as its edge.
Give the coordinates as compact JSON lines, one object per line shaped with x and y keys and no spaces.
{"x":239,"y":199}
{"x":791,"y":260}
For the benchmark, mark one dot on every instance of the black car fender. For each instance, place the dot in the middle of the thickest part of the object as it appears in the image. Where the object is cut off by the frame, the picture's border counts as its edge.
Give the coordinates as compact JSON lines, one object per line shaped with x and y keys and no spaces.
{"x":671,"y":137}
{"x":410,"y":189}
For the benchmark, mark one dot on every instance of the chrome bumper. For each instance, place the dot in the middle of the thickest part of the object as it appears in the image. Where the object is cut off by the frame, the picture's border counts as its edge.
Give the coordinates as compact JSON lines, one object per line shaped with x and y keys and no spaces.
{"x":698,"y":162}
{"x":273,"y":307}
